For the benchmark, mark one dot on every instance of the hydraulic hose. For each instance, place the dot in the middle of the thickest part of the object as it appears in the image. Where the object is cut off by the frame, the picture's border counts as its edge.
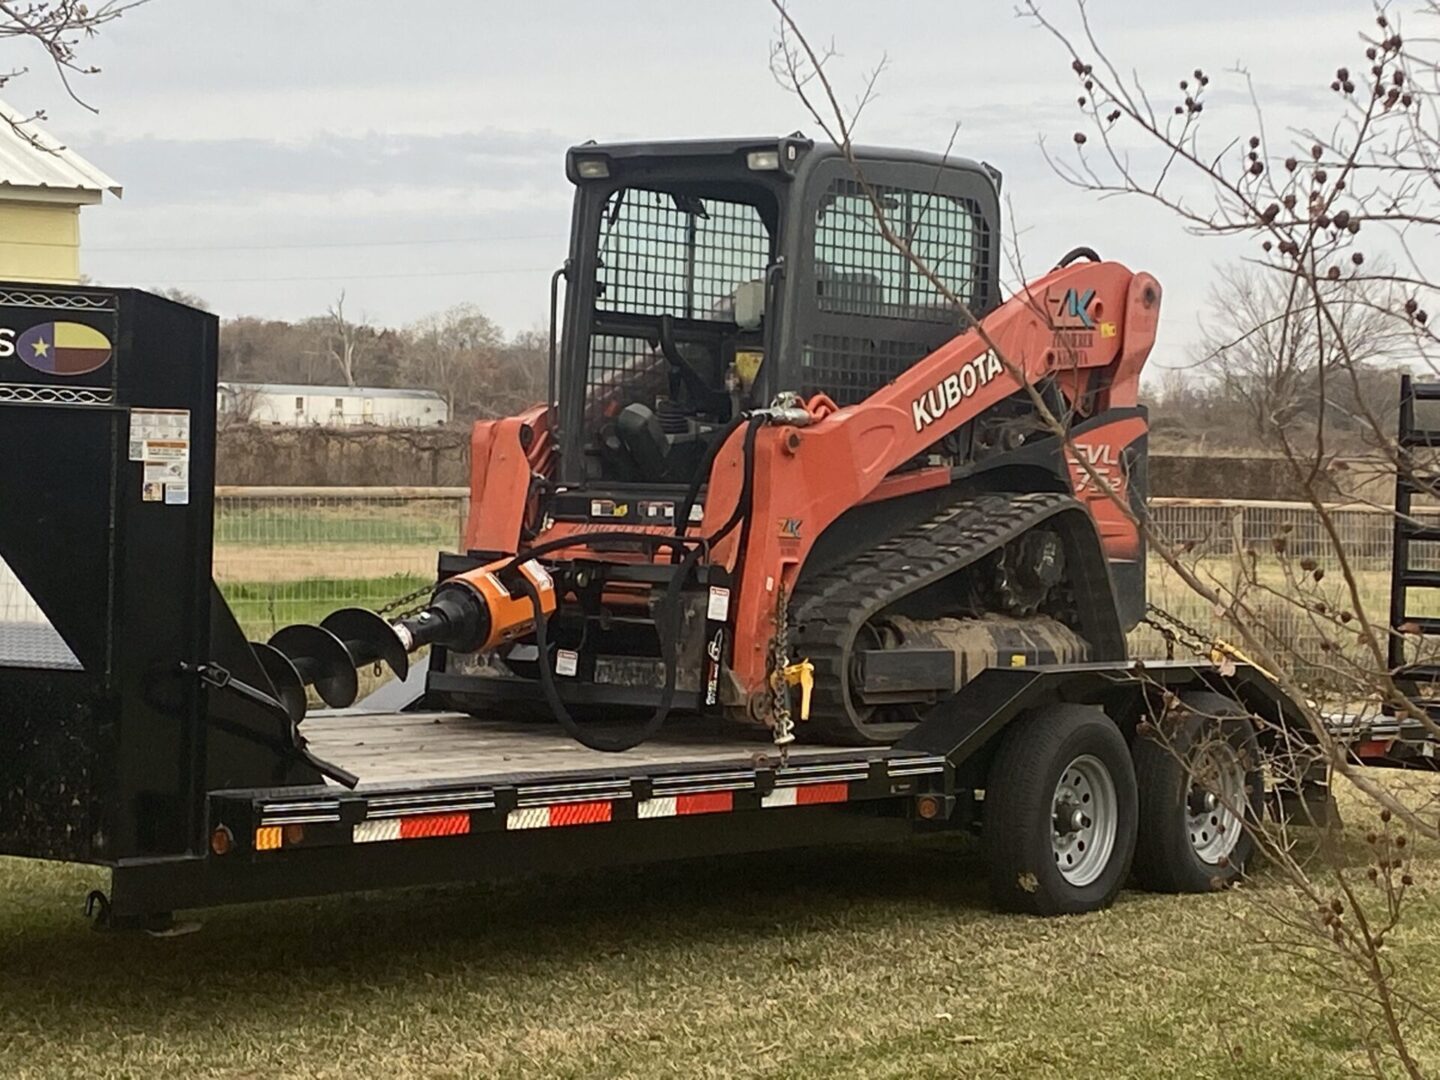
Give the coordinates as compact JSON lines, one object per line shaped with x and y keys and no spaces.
{"x":692,"y":491}
{"x":668,"y":610}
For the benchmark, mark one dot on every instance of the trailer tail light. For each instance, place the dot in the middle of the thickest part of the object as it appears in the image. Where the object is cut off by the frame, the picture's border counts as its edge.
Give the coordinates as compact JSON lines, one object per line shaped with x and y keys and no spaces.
{"x":268,"y":838}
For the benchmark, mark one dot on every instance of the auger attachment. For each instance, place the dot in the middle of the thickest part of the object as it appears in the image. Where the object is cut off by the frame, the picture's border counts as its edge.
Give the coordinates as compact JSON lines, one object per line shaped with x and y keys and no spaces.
{"x":478,"y":609}
{"x":328,"y":658}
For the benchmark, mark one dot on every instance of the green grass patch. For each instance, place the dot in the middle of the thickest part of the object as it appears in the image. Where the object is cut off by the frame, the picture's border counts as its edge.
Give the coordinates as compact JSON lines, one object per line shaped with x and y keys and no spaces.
{"x":262,"y":607}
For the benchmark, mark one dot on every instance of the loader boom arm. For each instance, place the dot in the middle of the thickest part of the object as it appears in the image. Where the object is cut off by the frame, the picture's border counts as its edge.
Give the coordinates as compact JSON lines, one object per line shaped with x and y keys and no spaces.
{"x":1090,"y":326}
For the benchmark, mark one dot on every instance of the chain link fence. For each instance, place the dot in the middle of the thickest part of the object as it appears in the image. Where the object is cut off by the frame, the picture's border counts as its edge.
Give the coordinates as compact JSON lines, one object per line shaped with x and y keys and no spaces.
{"x":1295,"y":581}
{"x":286,"y":555}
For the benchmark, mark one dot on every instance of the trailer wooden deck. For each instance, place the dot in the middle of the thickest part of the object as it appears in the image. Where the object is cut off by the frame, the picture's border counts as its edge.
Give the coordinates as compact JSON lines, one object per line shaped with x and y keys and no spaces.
{"x":399,"y":747}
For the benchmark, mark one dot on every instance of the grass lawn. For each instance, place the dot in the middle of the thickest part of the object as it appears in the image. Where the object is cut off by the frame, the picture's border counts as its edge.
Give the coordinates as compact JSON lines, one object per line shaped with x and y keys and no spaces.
{"x":874,"y":962}
{"x":262,"y":607}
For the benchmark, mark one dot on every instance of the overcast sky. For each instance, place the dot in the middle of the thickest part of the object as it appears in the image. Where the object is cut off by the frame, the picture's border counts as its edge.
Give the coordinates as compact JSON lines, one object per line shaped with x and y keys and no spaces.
{"x":274,"y":152}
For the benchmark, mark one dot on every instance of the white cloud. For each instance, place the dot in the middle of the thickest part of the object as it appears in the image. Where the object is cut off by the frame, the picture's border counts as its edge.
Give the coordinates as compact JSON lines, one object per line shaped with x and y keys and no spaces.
{"x":340,"y":121}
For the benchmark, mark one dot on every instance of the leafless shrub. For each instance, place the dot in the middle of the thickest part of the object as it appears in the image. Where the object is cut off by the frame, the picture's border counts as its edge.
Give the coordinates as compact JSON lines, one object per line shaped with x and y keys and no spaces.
{"x":1340,"y":219}
{"x":56,"y":29}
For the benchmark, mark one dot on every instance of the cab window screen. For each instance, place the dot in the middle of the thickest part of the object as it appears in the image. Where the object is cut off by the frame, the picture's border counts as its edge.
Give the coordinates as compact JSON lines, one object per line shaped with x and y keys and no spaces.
{"x":663,"y":253}
{"x":859,"y":272}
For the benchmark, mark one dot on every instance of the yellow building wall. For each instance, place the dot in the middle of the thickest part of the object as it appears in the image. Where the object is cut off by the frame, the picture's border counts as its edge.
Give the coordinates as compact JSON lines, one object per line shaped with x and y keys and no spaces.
{"x":39,"y":242}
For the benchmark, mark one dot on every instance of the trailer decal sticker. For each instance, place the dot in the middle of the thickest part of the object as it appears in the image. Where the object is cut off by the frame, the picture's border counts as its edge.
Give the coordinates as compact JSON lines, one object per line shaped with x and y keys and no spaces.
{"x":411,"y":827}
{"x":590,"y":813}
{"x":807,"y":795}
{"x":426,"y":825}
{"x":63,"y":348}
{"x":531,"y":817}
{"x":710,"y":802}
{"x":544,"y":817}
{"x":369,"y":832}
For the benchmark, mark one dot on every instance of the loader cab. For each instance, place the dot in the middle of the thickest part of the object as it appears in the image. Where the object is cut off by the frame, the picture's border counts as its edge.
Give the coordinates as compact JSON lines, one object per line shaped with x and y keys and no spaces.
{"x":707,"y":277}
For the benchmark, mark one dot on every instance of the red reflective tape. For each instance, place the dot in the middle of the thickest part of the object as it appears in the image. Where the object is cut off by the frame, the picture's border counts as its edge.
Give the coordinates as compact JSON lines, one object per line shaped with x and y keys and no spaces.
{"x":810,"y":794}
{"x":423,"y":825}
{"x":581,"y":813}
{"x":1372,"y":748}
{"x":711,"y":802}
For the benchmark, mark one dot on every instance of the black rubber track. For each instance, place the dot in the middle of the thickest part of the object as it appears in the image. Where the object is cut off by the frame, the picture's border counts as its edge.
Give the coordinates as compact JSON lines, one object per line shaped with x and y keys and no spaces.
{"x":828,"y":610}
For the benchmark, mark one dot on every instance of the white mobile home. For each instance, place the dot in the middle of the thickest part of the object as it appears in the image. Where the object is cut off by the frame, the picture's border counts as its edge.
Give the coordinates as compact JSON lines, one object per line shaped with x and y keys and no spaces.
{"x":296,"y":405}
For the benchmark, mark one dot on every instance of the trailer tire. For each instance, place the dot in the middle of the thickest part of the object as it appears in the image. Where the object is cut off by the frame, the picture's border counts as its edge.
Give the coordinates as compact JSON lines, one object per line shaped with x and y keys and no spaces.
{"x":1193,"y":773}
{"x":1063,"y":761}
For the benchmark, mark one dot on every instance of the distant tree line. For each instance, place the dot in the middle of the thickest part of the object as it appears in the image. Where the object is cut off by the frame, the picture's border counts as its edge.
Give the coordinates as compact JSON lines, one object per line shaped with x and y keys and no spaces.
{"x":1253,"y":380}
{"x":1259,"y":380}
{"x":460,"y":353}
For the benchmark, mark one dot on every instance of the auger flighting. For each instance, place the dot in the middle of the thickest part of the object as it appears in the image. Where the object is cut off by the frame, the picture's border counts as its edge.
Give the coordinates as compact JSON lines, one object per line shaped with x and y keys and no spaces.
{"x":478,"y":609}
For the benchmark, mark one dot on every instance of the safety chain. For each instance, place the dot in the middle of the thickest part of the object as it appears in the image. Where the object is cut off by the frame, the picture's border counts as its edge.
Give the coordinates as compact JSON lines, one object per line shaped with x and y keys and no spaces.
{"x":1171,"y":627}
{"x":782,"y":723}
{"x":409,"y":598}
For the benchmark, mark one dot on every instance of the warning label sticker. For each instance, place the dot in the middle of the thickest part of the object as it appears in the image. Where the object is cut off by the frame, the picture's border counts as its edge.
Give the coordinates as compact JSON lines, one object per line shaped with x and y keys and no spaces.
{"x":160,"y":425}
{"x":160,"y":441}
{"x":718,"y":609}
{"x":165,"y":450}
{"x":164,"y":472}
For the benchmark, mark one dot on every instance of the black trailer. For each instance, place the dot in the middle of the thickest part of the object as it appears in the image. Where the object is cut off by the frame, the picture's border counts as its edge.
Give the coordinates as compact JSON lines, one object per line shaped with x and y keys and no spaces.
{"x":138,"y":730}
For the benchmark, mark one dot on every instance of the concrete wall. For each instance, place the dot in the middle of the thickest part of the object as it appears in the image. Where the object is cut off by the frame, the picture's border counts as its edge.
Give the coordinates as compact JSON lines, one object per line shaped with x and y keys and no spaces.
{"x":39,"y":242}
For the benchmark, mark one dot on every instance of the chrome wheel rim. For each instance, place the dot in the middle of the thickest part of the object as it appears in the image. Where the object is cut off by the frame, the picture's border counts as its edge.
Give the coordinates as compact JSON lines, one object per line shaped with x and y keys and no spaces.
{"x":1216,"y":799}
{"x":1084,"y":820}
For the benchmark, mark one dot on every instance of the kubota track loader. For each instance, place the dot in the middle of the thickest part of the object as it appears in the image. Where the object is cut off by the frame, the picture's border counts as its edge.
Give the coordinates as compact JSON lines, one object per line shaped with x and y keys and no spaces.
{"x":775,"y":456}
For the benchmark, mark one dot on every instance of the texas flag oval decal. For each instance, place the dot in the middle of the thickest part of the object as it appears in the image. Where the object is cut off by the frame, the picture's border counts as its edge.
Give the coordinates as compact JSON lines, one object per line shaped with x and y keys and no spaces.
{"x":63,"y":348}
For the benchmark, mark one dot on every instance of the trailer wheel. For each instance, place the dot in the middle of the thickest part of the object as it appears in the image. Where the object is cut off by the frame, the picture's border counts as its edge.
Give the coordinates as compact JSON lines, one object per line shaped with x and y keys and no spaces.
{"x":1060,"y":812}
{"x":1199,"y":777}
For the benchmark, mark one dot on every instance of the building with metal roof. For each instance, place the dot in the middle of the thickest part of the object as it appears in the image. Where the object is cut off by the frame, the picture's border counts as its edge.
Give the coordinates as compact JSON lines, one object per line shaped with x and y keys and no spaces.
{"x":301,"y":405}
{"x":43,"y":184}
